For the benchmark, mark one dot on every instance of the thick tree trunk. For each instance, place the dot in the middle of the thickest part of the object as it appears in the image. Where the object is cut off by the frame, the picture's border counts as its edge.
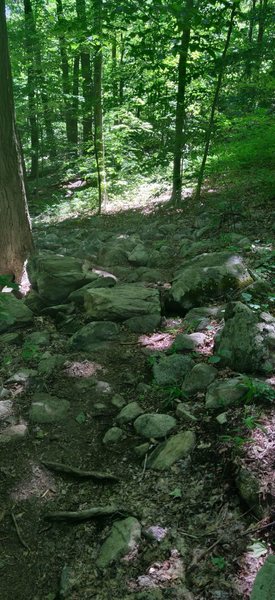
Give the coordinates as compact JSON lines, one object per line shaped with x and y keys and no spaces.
{"x":75,"y":90}
{"x":15,"y":238}
{"x":215,"y":102}
{"x":31,"y":89}
{"x":180,"y":108}
{"x":70,"y":117}
{"x":98,"y":116}
{"x":86,"y":75}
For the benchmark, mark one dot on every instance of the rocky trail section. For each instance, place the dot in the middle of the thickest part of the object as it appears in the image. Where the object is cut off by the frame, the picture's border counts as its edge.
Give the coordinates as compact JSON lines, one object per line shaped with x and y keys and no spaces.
{"x":137,"y":413}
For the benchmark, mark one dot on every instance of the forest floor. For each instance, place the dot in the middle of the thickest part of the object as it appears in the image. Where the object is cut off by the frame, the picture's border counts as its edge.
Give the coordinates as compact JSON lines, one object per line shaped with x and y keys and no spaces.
{"x":204,"y":542}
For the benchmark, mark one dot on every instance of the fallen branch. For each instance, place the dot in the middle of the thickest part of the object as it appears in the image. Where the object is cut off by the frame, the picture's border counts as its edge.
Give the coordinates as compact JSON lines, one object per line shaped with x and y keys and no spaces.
{"x":84,"y":515}
{"x":22,"y":541}
{"x":75,"y":472}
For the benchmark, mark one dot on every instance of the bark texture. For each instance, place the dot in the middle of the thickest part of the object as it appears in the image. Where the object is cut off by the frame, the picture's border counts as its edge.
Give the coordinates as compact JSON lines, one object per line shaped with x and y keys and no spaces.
{"x":15,"y":238}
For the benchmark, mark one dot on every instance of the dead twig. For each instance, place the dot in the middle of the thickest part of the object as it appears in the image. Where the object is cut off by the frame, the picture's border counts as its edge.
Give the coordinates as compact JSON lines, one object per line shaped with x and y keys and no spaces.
{"x":80,"y":474}
{"x":204,"y":553}
{"x":22,"y":541}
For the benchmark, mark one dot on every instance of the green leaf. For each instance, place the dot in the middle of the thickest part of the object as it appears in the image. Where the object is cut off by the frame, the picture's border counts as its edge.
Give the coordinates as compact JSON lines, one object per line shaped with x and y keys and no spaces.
{"x":219,"y":562}
{"x":214,"y":359}
{"x":81,"y":418}
{"x":258,"y":549}
{"x":176,"y":493}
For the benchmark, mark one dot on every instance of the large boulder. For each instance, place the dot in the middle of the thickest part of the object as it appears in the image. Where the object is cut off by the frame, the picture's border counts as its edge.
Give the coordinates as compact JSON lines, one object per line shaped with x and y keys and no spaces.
{"x":227,"y":392}
{"x":98,"y":279}
{"x":116,"y":251}
{"x":13,"y":313}
{"x":121,"y":302}
{"x":55,"y":276}
{"x":247,"y":341}
{"x":207,"y":277}
{"x":199,"y":378}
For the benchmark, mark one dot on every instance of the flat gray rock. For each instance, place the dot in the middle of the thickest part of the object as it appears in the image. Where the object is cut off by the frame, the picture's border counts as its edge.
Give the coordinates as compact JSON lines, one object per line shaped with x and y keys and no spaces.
{"x":154,"y":425}
{"x":55,"y":276}
{"x":5,"y":409}
{"x":166,"y":454}
{"x":226,"y":392}
{"x":121,"y":302}
{"x":48,"y":409}
{"x":122,"y":540}
{"x":207,"y":277}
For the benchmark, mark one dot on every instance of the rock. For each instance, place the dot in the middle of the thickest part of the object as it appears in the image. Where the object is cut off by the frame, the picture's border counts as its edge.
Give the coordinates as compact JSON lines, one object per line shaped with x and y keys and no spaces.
{"x":264,"y":584}
{"x":10,"y":339}
{"x":189,"y":249}
{"x":249,"y":490}
{"x":197,"y":319}
{"x":171,"y":370}
{"x":13,"y":313}
{"x":118,"y":401}
{"x":106,"y":280}
{"x":166,"y":454}
{"x":55,"y":276}
{"x":115,"y":252}
{"x":139,"y":256}
{"x":121,"y":302}
{"x":154,"y":425}
{"x":5,"y":409}
{"x":226,"y":392}
{"x":129,"y":413}
{"x":50,"y":364}
{"x":207,"y":277}
{"x":148,"y":275}
{"x":25,"y":377}
{"x":141,"y":450}
{"x":48,"y":409}
{"x":92,"y":336}
{"x":144,"y":324}
{"x":112,"y":436}
{"x":13,"y":433}
{"x":244,"y":343}
{"x":199,"y":378}
{"x":183,"y":412}
{"x":33,"y":301}
{"x":123,"y":540}
{"x":37,"y":338}
{"x":184,"y":342}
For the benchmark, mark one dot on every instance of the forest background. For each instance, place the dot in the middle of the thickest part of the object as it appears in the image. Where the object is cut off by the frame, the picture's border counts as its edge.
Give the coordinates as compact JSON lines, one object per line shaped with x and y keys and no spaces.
{"x":116,"y":95}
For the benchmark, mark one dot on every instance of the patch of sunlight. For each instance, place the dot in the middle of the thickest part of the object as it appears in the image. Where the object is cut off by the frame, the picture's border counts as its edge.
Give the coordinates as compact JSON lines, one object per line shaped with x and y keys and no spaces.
{"x":157,"y":341}
{"x":85,"y":368}
{"x":39,"y":484}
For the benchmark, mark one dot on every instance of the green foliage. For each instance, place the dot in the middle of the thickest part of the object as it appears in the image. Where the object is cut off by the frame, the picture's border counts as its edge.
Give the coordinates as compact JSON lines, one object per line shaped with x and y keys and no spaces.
{"x":219,"y":562}
{"x":30,"y":352}
{"x":258,"y":391}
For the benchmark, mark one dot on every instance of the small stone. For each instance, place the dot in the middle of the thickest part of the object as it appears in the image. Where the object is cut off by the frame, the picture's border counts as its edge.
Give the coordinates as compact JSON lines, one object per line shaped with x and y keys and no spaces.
{"x":129,"y":413}
{"x":183,"y":412}
{"x":50,"y":364}
{"x":94,"y":335}
{"x":118,"y":401}
{"x":113,"y":435}
{"x":38,"y":338}
{"x":14,"y":433}
{"x":144,"y":324}
{"x":166,"y":454}
{"x":154,"y":425}
{"x":5,"y":409}
{"x":141,"y":450}
{"x":122,"y":540}
{"x":24,"y":376}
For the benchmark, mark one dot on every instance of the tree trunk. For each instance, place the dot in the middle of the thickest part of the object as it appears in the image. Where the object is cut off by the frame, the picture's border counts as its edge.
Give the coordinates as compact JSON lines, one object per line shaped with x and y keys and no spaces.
{"x":215,"y":102}
{"x":87,"y":86}
{"x":41,"y":80}
{"x":31,"y":90}
{"x":15,"y":238}
{"x":75,"y":100}
{"x":180,"y":108}
{"x":98,"y":117}
{"x":121,"y":76}
{"x":261,"y":31}
{"x":114,"y":70}
{"x":70,"y":117}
